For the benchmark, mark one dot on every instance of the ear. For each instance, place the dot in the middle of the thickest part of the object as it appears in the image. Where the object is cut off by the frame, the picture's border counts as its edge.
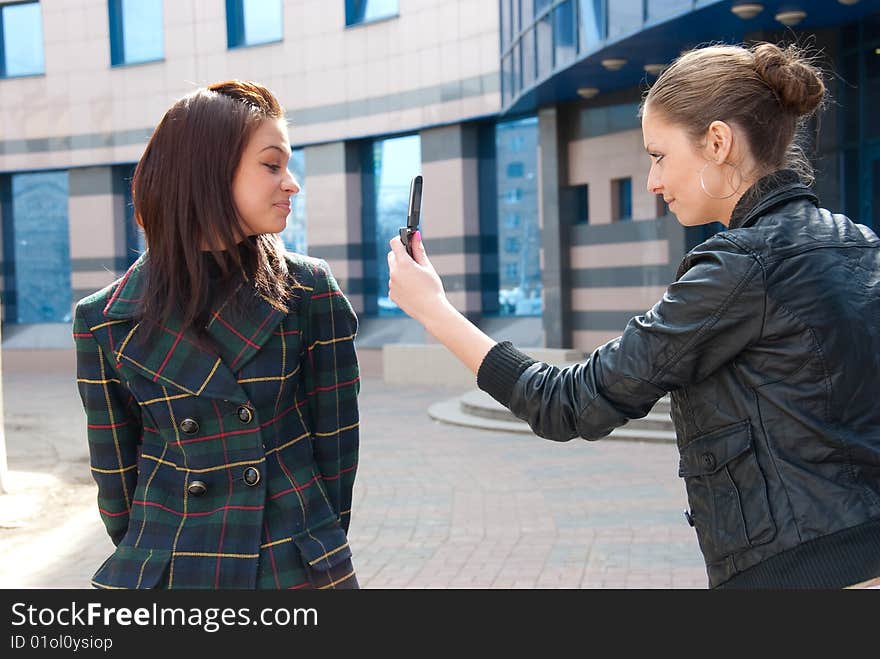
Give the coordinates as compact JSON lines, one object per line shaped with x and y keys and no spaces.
{"x":719,"y":142}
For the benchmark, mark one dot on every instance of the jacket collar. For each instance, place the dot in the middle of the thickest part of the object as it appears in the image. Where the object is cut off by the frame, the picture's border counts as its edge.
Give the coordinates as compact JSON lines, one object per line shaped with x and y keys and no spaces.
{"x":770,"y":191}
{"x":240,"y":325}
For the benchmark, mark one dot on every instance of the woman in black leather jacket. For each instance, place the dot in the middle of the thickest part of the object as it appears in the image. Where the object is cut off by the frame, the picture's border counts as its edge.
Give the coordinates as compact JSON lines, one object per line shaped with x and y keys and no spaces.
{"x":768,"y":341}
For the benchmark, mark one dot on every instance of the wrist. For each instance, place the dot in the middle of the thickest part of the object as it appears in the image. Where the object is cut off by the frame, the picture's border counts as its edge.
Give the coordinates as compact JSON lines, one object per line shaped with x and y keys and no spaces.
{"x":439,"y":316}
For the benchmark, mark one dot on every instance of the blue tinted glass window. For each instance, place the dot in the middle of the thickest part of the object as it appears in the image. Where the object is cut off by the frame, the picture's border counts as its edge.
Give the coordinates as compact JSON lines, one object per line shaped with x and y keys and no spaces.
{"x":395,"y":162}
{"x":294,"y":235}
{"x":135,"y":31}
{"x":624,"y":16}
{"x":519,"y":237}
{"x":658,"y":9}
{"x":622,"y":190}
{"x":253,"y":22}
{"x":41,"y":247}
{"x":21,"y":48}
{"x":541,"y":5}
{"x":364,"y":11}
{"x":591,"y":24}
{"x":564,"y":33}
{"x":528,"y":58}
{"x":544,"y":45}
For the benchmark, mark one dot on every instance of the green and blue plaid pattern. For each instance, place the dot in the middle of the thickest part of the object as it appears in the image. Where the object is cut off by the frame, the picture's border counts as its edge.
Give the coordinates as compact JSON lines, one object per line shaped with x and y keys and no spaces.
{"x":175,"y":427}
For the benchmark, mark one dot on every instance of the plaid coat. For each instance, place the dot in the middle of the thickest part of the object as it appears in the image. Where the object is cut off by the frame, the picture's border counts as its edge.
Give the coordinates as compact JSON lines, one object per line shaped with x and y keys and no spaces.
{"x":226,"y":469}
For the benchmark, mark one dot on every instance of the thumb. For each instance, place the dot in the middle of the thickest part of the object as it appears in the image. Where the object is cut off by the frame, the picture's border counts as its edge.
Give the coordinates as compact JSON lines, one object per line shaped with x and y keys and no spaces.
{"x":419,"y":253}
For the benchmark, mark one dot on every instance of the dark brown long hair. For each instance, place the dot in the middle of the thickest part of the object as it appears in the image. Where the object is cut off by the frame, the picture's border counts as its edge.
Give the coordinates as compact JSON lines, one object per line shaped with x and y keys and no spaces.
{"x":182,"y":194}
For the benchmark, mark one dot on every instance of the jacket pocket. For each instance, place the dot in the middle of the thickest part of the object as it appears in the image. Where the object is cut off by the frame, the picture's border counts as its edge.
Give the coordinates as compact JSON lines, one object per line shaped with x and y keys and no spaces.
{"x":727,"y":492}
{"x":323,"y":547}
{"x":133,"y":567}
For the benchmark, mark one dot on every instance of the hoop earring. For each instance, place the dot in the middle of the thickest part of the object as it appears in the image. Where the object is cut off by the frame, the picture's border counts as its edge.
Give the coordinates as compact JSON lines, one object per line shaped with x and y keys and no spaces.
{"x":711,"y":196}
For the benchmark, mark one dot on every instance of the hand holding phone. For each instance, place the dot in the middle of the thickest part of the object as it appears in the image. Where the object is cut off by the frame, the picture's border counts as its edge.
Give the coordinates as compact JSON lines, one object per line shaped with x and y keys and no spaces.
{"x":413,"y":213}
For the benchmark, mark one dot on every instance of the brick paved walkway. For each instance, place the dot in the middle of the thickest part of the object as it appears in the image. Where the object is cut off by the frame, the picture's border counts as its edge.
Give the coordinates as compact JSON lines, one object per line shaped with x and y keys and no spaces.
{"x":435,"y":505}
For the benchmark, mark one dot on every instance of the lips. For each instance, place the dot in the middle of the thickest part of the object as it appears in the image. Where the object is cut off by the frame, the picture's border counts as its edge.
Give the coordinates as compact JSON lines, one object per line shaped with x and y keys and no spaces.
{"x":283,"y":206}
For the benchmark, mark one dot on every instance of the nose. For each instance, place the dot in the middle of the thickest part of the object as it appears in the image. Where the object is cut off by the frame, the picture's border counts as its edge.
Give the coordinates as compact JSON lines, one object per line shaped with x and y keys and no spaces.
{"x":289,"y":184}
{"x":654,"y":186}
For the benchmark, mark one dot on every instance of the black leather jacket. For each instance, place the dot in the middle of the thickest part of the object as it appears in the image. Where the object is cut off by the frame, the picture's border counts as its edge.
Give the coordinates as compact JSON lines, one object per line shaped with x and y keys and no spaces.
{"x":769,"y":342}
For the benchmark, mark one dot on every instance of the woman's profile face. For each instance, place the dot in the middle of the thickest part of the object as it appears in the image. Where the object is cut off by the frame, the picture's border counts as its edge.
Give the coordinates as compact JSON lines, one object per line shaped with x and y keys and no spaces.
{"x":262,"y":185}
{"x":676,"y":164}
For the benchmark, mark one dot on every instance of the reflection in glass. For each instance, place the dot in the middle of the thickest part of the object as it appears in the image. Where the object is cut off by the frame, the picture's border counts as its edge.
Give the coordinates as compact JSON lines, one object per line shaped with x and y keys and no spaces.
{"x":528,"y":57}
{"x":364,"y":11}
{"x":519,"y":236}
{"x":658,"y":9}
{"x":544,"y":45}
{"x":564,"y":33}
{"x":41,"y":247}
{"x":22,"y":46}
{"x":294,"y":234}
{"x":136,"y":31}
{"x":624,"y":16}
{"x":395,"y":162}
{"x":592,"y":24}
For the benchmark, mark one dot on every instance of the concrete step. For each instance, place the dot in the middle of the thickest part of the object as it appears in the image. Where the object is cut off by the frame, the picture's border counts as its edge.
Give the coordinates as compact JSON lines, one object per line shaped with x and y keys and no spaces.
{"x":477,"y":409}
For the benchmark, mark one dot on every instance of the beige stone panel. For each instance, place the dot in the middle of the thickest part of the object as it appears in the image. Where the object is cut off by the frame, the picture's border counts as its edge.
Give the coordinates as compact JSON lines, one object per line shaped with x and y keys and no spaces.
{"x":181,"y":76}
{"x":453,"y":264}
{"x":206,"y":11}
{"x":92,"y":281}
{"x":647,"y":252}
{"x":175,"y":13}
{"x":597,"y":161}
{"x":356,"y":300}
{"x":343,"y":269}
{"x":479,"y":17}
{"x":325,"y":209}
{"x":181,"y":40}
{"x":623,"y":298}
{"x":472,"y":57}
{"x":92,"y":226}
{"x":589,"y":340}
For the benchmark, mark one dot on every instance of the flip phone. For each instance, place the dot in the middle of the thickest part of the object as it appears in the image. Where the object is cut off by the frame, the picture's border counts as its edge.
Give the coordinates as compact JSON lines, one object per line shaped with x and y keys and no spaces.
{"x":413,"y":213}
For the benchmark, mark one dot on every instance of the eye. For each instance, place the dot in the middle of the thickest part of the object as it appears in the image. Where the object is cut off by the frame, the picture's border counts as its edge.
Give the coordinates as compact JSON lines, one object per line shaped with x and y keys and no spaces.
{"x":272,"y":168}
{"x":657,"y":157}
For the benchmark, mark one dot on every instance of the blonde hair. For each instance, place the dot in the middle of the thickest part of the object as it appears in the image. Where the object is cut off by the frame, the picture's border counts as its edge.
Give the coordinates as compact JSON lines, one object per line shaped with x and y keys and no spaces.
{"x":767,"y":91}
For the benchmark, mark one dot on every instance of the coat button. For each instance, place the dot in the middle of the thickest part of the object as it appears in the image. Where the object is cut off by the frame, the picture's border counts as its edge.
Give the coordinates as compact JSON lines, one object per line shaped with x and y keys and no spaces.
{"x":189,"y":426}
{"x":251,"y":476}
{"x":245,"y":415}
{"x":197,"y":488}
{"x":708,"y":461}
{"x":689,"y":517}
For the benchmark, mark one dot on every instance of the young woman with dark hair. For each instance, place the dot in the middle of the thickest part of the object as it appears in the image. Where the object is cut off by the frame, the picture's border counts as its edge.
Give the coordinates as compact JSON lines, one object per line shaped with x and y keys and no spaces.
{"x":218,"y":375}
{"x":768,"y":341}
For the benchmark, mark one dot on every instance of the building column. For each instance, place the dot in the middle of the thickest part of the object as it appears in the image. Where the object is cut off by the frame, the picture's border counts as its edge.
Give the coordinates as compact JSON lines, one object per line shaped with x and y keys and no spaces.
{"x":450,"y":211}
{"x":334,"y":229}
{"x":554,"y":232}
{"x":98,"y":234}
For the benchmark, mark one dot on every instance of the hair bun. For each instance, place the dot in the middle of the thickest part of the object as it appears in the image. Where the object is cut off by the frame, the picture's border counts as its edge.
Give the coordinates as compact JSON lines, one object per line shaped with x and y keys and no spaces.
{"x":796,"y":82}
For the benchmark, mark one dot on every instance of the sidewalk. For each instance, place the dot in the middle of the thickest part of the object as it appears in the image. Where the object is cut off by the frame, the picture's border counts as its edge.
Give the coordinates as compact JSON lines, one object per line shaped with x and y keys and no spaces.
{"x":435,"y":505}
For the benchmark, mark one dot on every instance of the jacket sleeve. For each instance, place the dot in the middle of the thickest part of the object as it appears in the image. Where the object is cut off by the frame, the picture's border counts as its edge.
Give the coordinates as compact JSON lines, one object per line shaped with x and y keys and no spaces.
{"x":705,"y":318}
{"x":113,"y":428}
{"x":332,"y":383}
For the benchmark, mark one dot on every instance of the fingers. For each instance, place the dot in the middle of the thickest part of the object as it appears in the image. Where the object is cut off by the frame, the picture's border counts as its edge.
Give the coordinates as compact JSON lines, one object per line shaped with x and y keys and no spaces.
{"x":419,"y":253}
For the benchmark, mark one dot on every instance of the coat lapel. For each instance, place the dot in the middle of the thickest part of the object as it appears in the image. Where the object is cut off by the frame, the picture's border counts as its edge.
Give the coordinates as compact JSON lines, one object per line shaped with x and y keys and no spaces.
{"x":239,"y":326}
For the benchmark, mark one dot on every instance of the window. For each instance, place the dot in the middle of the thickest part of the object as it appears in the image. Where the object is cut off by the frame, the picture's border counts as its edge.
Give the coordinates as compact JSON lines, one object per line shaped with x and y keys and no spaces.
{"x":21,"y":40}
{"x":135,"y":243}
{"x":391,"y":164}
{"x":294,"y":235}
{"x":662,"y":8}
{"x":624,"y":16}
{"x":621,"y":201}
{"x":367,"y":11}
{"x":519,"y":236}
{"x":135,"y":31}
{"x":39,"y":247}
{"x":253,"y":22}
{"x":564,"y":33}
